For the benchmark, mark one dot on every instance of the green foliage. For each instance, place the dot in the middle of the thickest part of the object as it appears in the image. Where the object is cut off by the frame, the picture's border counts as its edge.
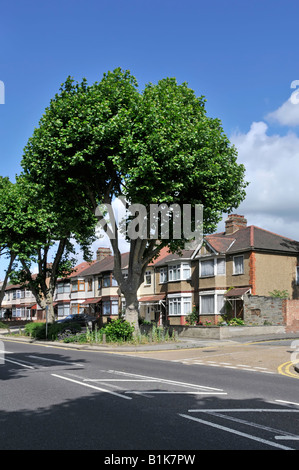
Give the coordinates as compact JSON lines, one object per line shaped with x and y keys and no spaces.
{"x":193,"y":317}
{"x":3,"y":325}
{"x":95,"y":142}
{"x":153,"y":146}
{"x":281,"y":294}
{"x":53,"y":331}
{"x":236,"y":322}
{"x":117,"y":330}
{"x":227,"y":320}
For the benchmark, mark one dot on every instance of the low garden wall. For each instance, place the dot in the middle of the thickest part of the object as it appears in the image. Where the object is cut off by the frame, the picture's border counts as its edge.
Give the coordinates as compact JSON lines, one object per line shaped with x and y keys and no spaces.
{"x":224,"y":332}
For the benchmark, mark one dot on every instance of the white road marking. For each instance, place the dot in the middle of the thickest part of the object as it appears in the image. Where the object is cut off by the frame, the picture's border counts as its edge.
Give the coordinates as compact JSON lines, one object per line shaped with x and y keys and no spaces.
{"x":41,"y":358}
{"x":19,"y":363}
{"x":238,"y":433}
{"x":228,"y":365}
{"x":242,"y":410}
{"x":92,"y":386}
{"x":172,"y":382}
{"x":167,"y":392}
{"x":287,"y":402}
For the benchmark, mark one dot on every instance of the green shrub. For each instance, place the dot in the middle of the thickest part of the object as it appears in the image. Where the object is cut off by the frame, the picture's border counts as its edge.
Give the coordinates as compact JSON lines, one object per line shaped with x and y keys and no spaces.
{"x":38,"y":330}
{"x":193,"y":317}
{"x":236,"y":322}
{"x":2,"y":325}
{"x":118,"y":330}
{"x":33,"y":329}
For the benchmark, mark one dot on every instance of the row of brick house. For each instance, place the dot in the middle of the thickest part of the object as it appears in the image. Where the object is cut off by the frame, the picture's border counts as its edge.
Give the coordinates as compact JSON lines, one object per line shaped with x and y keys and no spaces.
{"x":213,"y":278}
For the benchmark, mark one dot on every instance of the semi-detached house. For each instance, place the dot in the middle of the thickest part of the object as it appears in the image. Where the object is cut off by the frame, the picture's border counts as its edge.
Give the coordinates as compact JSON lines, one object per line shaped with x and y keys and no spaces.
{"x":213,"y":279}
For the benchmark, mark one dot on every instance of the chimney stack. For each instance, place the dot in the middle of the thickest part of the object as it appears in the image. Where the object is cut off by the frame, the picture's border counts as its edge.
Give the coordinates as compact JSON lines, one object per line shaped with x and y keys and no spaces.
{"x":234,"y":222}
{"x":102,"y":253}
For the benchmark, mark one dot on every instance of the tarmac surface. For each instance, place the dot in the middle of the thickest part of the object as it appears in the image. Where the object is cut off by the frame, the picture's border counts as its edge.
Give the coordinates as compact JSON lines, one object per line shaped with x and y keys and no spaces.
{"x":269,"y":354}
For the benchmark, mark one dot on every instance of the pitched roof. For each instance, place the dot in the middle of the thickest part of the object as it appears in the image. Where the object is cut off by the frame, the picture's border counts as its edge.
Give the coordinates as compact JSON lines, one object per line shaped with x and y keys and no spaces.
{"x":106,"y":264}
{"x":81,"y":267}
{"x":252,"y":238}
{"x":185,"y":254}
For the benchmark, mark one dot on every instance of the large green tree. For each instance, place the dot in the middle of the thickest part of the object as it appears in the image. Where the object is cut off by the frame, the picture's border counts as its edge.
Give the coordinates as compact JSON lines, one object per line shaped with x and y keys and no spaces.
{"x":10,"y":238}
{"x":39,"y":235}
{"x":156,"y":146}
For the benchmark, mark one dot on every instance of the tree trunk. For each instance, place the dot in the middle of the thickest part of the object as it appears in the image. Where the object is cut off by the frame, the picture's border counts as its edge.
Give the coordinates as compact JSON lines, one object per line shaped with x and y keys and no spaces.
{"x":49,"y":303}
{"x":3,"y":287}
{"x":132,"y":310}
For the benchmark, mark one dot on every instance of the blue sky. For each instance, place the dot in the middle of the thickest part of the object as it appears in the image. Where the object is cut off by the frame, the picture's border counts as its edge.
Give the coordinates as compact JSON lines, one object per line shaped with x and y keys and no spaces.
{"x":241,"y":54}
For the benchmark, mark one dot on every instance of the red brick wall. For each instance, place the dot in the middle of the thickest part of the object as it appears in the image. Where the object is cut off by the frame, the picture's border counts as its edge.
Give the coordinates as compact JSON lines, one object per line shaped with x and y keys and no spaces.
{"x":291,"y":315}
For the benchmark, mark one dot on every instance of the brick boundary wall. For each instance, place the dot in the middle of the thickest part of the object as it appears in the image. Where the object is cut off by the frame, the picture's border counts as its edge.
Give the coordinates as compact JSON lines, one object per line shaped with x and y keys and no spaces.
{"x":291,"y":315}
{"x":262,"y":310}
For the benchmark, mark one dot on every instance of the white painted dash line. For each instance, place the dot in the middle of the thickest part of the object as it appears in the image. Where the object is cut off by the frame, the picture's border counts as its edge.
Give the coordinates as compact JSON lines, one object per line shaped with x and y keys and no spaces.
{"x":19,"y":363}
{"x":167,"y":392}
{"x":41,"y":358}
{"x":92,"y":386}
{"x":287,"y":402}
{"x":238,"y":433}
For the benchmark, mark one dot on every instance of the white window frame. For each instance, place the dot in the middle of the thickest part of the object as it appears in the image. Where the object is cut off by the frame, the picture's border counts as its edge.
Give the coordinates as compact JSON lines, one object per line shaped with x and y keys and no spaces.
{"x":176,"y":271}
{"x":216,"y":294}
{"x":177,"y":304}
{"x":217,"y":266}
{"x":110,"y":307}
{"x":163,"y":275}
{"x":114,"y":307}
{"x":63,"y":288}
{"x":215,"y":262}
{"x":63,"y":310}
{"x":106,"y":281}
{"x":148,"y":278}
{"x":212,"y":261}
{"x":235,"y":273}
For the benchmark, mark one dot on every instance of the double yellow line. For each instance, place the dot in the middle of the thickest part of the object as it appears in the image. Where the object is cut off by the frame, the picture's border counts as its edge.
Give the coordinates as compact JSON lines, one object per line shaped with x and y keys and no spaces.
{"x":284,"y":369}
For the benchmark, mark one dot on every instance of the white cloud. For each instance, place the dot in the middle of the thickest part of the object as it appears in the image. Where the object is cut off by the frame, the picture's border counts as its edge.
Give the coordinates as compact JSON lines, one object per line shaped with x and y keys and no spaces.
{"x":287,"y":114}
{"x":272,"y":168}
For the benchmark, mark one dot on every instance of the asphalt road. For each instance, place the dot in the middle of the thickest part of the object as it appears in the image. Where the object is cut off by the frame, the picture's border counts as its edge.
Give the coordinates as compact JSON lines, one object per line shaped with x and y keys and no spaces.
{"x":58,"y":398}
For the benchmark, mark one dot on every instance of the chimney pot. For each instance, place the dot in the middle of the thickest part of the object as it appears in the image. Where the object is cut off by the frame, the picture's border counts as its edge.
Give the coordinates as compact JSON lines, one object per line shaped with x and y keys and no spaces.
{"x":234,"y":222}
{"x":102,"y":253}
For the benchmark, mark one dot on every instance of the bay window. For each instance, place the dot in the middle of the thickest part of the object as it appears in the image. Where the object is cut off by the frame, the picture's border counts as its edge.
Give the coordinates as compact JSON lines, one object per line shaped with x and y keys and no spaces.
{"x":163,"y":275}
{"x":212,"y":303}
{"x":110,"y":307}
{"x":179,"y":272}
{"x":179,"y":304}
{"x":207,"y":304}
{"x":148,"y":278}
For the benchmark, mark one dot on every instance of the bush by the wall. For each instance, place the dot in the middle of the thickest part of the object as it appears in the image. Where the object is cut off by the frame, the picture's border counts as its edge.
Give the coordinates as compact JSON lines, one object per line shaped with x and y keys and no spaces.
{"x":118,"y":330}
{"x":39,"y":330}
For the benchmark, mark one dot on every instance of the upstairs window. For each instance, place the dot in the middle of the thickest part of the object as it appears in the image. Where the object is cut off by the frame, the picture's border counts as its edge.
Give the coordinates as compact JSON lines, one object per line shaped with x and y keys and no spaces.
{"x":207,"y":268}
{"x":212,"y":267}
{"x":148,"y":278}
{"x":163,"y":275}
{"x":179,"y":272}
{"x":238,"y":265}
{"x":106,"y":281}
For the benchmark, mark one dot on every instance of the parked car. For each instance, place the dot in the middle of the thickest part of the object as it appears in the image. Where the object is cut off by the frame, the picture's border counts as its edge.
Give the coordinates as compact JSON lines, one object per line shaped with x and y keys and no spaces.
{"x":80,"y":318}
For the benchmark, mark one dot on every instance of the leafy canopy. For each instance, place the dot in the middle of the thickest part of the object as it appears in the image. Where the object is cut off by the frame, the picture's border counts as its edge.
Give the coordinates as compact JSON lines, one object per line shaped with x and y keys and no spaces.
{"x":95,"y":142}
